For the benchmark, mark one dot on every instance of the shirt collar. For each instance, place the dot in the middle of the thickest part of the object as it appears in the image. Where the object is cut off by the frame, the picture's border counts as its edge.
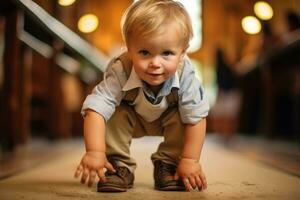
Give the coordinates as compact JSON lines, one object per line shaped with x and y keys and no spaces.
{"x":133,"y":81}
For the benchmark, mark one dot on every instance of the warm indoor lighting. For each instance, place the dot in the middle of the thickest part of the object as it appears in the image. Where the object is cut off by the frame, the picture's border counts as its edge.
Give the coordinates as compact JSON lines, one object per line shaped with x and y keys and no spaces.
{"x":65,"y":2}
{"x":263,"y":10}
{"x":251,"y":25}
{"x":88,"y":23}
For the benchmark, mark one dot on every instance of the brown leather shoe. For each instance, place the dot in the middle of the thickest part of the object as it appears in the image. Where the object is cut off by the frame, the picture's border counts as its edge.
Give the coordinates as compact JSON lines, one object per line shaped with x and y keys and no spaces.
{"x":164,"y":177}
{"x":118,"y":181}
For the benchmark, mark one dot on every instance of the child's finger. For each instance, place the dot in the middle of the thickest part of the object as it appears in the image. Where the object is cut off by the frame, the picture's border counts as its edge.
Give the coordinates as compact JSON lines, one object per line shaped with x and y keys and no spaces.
{"x":101,"y":175}
{"x":109,"y":166}
{"x":199,"y":183}
{"x":203,"y":180}
{"x":92,"y":178}
{"x":192,"y":182}
{"x":78,"y":171}
{"x":84,"y":175}
{"x":187,"y":184}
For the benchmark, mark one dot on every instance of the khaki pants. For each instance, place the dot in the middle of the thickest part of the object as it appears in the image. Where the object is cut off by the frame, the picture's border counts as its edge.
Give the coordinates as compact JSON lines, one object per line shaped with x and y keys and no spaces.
{"x":126,"y":124}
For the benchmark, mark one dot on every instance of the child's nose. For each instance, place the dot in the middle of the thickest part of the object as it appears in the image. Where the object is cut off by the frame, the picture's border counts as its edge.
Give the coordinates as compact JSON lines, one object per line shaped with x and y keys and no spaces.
{"x":155,"y":62}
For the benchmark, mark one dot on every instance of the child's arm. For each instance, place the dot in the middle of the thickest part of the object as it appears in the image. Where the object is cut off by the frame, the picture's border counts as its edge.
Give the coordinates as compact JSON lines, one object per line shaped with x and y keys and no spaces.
{"x":189,"y":168}
{"x":94,"y":160}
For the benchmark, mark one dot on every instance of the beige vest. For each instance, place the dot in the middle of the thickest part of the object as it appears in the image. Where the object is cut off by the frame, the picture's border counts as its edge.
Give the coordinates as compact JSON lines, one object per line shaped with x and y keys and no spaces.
{"x":148,"y":111}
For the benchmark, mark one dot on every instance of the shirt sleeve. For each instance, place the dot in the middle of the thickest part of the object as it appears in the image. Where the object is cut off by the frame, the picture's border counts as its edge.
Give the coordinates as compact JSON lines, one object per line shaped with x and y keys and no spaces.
{"x":193,"y":103}
{"x":108,"y":93}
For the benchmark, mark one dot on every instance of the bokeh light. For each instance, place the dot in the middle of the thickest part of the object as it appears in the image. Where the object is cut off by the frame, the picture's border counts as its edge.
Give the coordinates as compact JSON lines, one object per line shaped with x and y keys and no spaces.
{"x":251,"y":25}
{"x":263,"y":10}
{"x":66,"y":2}
{"x":88,"y":23}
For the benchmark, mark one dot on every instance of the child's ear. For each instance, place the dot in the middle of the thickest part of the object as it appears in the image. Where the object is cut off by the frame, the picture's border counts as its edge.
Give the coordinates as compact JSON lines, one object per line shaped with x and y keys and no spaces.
{"x":184,"y":50}
{"x":129,"y":53}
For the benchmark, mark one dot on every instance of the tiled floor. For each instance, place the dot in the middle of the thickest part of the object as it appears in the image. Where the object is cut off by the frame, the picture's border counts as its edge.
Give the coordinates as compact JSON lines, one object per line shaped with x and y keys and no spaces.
{"x":230,"y":174}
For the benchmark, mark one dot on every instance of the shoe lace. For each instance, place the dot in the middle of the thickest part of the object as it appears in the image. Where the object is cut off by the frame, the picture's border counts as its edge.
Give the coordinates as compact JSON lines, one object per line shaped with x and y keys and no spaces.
{"x":122,"y":171}
{"x":166,"y":170}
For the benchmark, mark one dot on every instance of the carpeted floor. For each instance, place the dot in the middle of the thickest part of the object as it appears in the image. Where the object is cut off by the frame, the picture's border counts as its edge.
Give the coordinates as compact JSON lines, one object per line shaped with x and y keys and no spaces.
{"x":230,"y":176}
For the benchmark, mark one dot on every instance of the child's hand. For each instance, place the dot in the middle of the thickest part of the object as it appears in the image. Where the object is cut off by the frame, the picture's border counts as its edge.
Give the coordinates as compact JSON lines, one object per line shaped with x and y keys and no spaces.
{"x":191,"y":173}
{"x":92,"y":163}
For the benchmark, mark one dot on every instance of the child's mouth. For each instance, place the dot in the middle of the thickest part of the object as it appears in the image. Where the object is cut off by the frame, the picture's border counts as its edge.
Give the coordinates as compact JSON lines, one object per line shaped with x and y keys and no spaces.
{"x":154,"y":75}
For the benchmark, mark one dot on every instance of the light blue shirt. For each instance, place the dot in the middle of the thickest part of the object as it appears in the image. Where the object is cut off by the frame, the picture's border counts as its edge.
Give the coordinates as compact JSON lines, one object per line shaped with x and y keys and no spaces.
{"x":108,"y":94}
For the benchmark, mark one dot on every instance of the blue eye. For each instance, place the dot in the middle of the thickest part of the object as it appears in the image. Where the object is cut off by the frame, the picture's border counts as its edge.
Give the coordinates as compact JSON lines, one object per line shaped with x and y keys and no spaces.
{"x":144,"y":52}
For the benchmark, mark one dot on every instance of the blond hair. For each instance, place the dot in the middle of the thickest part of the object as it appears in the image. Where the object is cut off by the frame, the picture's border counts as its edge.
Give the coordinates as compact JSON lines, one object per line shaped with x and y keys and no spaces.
{"x":147,"y":17}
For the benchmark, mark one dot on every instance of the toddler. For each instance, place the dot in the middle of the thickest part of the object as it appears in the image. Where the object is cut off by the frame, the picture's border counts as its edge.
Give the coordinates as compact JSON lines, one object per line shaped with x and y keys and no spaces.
{"x":151,"y":89}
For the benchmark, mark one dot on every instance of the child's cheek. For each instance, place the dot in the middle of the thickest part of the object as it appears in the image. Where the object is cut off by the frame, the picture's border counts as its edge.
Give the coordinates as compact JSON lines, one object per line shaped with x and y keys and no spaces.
{"x":173,"y":69}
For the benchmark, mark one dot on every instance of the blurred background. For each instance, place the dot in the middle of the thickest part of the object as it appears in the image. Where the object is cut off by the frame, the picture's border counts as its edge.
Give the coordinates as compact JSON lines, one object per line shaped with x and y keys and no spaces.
{"x":246,"y":54}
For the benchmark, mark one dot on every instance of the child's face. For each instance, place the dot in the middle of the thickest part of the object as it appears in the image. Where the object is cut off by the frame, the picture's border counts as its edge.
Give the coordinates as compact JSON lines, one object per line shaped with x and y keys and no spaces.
{"x":156,"y":58}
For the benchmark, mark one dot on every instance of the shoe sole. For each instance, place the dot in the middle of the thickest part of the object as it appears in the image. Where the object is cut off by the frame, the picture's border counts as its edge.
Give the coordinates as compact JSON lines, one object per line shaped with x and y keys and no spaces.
{"x":113,"y":188}
{"x":171,"y":188}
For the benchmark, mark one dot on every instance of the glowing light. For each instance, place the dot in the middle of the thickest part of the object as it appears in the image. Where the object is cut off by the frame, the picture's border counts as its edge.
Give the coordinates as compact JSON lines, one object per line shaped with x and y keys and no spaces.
{"x":88,"y":23}
{"x":251,"y":25}
{"x":263,"y":10}
{"x":66,"y":2}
